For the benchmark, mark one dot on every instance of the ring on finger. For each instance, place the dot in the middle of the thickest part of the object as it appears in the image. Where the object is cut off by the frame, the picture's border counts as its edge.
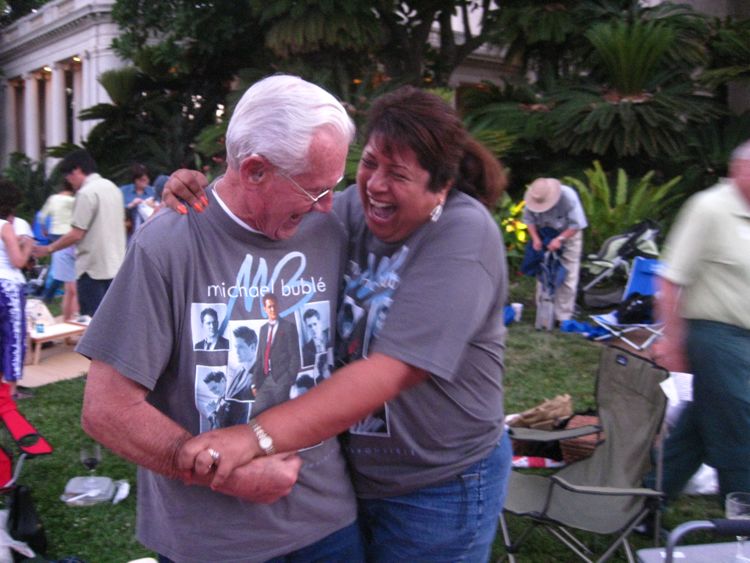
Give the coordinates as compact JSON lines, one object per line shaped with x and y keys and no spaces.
{"x":214,"y":456}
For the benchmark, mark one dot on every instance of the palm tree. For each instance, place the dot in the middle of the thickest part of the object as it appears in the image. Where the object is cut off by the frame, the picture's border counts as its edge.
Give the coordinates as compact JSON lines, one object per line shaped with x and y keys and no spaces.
{"x":633,"y":103}
{"x":730,"y":49}
{"x":142,"y":124}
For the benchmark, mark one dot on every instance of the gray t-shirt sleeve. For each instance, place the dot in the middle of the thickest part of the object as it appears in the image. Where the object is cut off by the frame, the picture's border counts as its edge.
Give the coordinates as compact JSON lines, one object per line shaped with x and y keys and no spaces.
{"x":576,"y":216}
{"x":133,"y":328}
{"x":445,"y":295}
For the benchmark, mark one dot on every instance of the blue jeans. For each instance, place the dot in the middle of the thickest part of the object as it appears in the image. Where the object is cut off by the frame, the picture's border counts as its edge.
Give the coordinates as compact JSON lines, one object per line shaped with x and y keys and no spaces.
{"x":343,"y":546}
{"x":90,"y":293}
{"x":452,"y":521}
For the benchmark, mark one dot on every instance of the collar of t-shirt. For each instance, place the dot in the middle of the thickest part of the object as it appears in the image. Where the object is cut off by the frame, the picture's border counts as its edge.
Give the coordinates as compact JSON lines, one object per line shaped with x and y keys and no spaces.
{"x":234,"y":217}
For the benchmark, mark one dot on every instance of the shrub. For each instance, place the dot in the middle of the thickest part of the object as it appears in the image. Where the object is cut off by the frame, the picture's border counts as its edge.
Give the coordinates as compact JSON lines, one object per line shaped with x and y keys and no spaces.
{"x":611,"y":209}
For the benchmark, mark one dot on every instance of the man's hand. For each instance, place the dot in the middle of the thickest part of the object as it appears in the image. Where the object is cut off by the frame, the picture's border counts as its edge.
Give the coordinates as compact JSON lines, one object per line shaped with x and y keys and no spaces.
{"x":537,"y":244}
{"x":264,"y":480}
{"x":555,"y":244}
{"x":670,"y":354}
{"x":236,"y":446}
{"x":188,"y":186}
{"x":40,"y":251}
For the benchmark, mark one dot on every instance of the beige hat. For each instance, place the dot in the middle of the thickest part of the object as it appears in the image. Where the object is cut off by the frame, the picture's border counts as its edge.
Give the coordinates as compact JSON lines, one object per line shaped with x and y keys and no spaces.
{"x":542,"y":194}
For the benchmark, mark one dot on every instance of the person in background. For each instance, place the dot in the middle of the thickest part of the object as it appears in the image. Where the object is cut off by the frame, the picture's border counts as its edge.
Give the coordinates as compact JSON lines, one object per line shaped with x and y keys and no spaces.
{"x":555,"y":210}
{"x":159,"y":183}
{"x":139,"y":197}
{"x":97,"y":229}
{"x":59,"y":209}
{"x":430,"y":466}
{"x":703,"y":299}
{"x":286,"y":143}
{"x":14,"y":253}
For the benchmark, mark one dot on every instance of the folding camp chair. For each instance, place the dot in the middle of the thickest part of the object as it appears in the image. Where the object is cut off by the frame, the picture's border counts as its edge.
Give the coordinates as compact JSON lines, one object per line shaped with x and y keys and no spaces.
{"x":705,"y":552}
{"x":604,"y":274}
{"x":601,"y":494}
{"x":22,"y":521}
{"x":642,"y":281}
{"x":29,"y":442}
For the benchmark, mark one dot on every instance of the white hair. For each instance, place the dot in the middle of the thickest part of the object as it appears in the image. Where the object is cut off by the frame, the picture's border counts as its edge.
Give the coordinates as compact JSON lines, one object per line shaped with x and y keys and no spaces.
{"x":742,"y":152}
{"x":277,"y":118}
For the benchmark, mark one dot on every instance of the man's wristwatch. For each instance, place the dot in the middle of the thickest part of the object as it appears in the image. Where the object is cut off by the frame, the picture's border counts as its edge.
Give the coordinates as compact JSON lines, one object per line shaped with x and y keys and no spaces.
{"x":264,"y":440}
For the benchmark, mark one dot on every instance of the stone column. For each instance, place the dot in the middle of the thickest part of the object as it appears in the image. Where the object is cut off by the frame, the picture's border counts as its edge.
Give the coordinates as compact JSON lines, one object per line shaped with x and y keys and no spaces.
{"x":56,"y":123}
{"x":88,"y":90}
{"x":77,"y":103}
{"x":11,"y":119}
{"x":31,"y":116}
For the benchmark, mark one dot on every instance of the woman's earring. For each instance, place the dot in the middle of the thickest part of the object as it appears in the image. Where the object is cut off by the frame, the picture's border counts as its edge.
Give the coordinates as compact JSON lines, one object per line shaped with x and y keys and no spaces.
{"x":436,"y":212}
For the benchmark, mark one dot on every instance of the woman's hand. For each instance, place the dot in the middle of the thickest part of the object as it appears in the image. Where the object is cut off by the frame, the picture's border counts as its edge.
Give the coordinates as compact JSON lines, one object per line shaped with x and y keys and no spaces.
{"x":188,"y":186}
{"x":235,"y":446}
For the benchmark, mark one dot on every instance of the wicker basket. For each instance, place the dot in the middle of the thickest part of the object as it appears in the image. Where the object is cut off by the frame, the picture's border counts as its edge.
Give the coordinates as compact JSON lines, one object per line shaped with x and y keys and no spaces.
{"x":583,"y":447}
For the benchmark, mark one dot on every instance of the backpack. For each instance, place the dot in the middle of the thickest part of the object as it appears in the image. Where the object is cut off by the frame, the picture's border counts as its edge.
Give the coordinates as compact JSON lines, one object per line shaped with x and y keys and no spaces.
{"x":636,"y":309}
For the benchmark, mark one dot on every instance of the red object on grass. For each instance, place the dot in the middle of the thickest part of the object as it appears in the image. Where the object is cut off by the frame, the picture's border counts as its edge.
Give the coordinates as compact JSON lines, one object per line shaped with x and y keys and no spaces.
{"x":23,"y":432}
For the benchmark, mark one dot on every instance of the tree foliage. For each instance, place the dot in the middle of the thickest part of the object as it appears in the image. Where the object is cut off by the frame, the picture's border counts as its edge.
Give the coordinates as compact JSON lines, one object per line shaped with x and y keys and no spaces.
{"x":30,"y":178}
{"x":11,"y":10}
{"x":730,"y":51}
{"x":162,"y":126}
{"x":613,"y":80}
{"x":407,"y":52}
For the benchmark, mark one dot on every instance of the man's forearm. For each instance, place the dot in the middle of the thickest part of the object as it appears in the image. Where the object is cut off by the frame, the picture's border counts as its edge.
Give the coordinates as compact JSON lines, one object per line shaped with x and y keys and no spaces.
{"x":668,"y":309}
{"x":73,"y":236}
{"x":116,"y":414}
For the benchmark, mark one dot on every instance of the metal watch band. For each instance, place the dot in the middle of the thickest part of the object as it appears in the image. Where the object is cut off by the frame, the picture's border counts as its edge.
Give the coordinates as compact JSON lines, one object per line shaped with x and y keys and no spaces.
{"x":264,"y":440}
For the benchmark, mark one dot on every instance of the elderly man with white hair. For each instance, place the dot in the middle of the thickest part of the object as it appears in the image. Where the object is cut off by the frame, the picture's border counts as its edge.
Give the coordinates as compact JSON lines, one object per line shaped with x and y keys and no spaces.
{"x":286,"y":145}
{"x":704,"y":300}
{"x":555,"y":209}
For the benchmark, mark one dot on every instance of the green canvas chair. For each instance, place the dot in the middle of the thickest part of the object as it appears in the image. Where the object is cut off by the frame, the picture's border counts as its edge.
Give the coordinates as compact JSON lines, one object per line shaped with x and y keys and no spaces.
{"x":601,"y":494}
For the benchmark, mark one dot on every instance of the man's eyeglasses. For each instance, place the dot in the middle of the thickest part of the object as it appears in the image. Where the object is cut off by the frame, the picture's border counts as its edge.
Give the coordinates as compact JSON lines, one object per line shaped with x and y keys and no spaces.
{"x":314,"y":198}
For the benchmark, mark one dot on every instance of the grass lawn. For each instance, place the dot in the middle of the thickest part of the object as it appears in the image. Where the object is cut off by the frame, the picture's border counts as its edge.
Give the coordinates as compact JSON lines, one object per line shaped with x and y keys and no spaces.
{"x":539,"y":365}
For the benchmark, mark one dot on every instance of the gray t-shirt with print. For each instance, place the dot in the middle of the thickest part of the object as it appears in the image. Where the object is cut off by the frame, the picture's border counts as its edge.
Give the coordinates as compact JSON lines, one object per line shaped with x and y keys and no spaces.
{"x":434,"y":301}
{"x":149,"y":328}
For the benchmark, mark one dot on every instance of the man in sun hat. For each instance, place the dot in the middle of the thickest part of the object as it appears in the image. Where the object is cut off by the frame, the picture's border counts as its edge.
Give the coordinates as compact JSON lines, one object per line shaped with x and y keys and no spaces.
{"x":555,"y":219}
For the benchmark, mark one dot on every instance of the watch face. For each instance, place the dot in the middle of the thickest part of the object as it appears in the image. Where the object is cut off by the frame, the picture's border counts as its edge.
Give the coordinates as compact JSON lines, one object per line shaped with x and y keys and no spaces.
{"x":265,"y":442}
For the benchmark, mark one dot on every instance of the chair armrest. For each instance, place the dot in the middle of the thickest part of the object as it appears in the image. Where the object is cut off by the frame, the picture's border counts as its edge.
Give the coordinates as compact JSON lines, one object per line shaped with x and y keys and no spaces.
{"x":610,"y":491}
{"x":533,"y":435}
